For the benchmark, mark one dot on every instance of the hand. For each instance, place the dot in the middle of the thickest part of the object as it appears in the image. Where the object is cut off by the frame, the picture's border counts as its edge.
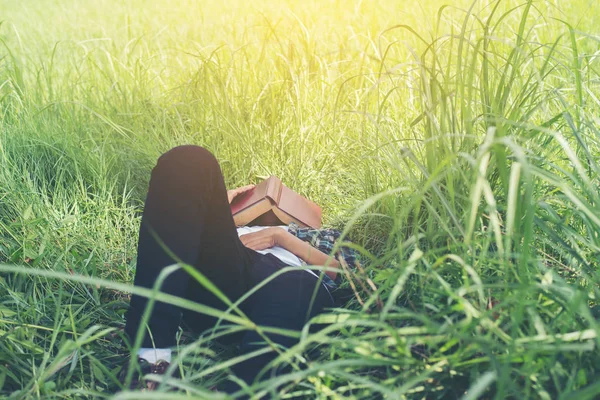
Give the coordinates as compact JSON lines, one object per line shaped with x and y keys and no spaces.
{"x":263,"y":239}
{"x":232,"y":194}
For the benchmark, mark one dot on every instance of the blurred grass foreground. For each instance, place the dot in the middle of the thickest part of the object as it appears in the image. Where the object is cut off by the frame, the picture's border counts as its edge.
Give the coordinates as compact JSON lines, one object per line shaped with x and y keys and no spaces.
{"x":457,"y":143}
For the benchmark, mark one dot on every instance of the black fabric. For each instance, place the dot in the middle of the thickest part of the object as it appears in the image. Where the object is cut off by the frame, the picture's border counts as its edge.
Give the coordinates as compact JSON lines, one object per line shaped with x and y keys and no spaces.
{"x":187,"y":209}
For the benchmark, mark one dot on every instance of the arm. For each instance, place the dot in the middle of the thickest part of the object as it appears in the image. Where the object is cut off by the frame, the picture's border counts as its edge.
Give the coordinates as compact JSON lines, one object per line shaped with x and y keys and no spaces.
{"x":305,"y":251}
{"x":271,"y":237}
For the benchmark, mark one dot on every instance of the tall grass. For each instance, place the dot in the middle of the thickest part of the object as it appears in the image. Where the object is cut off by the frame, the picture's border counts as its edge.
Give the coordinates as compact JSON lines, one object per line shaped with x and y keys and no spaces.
{"x":456,"y":145}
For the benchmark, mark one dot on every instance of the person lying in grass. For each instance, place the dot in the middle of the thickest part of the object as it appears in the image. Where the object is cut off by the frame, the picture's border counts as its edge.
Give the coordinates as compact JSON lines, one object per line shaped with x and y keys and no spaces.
{"x":187,"y":218}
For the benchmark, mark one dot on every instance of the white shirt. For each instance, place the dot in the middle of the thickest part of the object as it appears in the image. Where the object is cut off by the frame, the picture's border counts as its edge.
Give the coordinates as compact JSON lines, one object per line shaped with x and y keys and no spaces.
{"x":286,"y":256}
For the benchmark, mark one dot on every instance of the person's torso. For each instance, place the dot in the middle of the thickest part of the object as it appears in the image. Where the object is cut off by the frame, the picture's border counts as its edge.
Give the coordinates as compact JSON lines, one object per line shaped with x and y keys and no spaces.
{"x":284,"y":255}
{"x":287,"y":257}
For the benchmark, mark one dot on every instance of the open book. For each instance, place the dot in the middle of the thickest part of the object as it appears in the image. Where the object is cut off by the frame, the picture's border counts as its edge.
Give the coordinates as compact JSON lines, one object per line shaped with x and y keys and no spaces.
{"x":272,"y":203}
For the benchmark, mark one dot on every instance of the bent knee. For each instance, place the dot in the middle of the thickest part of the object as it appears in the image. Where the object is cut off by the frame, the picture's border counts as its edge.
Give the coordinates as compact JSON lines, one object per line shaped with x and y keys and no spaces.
{"x":189,"y":155}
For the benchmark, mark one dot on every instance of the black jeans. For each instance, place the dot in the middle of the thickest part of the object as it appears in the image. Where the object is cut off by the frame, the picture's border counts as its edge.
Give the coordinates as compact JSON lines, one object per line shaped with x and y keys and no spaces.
{"x":187,"y":209}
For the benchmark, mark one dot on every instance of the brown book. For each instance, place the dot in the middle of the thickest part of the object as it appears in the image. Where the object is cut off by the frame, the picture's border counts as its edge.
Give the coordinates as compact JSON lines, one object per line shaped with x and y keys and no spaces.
{"x":272,"y":203}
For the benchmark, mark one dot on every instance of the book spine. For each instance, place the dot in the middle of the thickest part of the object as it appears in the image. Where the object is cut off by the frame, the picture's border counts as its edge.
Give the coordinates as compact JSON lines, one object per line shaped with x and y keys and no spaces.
{"x":274,"y":189}
{"x":280,"y":189}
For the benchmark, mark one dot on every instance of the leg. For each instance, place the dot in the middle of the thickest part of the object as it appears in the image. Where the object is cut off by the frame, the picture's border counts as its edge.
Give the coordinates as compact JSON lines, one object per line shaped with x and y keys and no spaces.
{"x":284,"y":302}
{"x":187,"y":209}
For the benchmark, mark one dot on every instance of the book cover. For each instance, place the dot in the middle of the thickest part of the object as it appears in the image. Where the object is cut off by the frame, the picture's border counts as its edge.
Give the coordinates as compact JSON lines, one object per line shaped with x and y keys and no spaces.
{"x":272,"y":197}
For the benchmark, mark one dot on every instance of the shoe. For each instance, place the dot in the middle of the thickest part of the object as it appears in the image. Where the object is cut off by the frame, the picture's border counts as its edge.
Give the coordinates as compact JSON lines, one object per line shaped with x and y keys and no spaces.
{"x":145,"y":368}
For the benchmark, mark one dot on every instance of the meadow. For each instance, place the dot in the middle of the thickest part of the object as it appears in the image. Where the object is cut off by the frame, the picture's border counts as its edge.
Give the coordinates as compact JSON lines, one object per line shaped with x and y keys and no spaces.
{"x":456,"y":144}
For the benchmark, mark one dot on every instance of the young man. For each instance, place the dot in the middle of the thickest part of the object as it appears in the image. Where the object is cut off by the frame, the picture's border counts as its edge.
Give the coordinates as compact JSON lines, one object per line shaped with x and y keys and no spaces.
{"x":187,"y":217}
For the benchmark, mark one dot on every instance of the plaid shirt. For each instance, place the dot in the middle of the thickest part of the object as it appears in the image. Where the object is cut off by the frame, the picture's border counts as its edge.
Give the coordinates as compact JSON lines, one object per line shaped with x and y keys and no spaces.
{"x":325,"y":240}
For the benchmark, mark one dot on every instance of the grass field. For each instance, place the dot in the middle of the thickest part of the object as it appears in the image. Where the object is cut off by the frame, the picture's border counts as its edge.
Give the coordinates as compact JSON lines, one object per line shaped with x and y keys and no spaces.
{"x":457,"y":146}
